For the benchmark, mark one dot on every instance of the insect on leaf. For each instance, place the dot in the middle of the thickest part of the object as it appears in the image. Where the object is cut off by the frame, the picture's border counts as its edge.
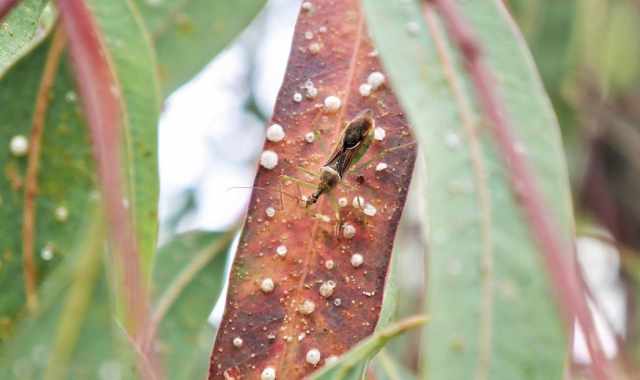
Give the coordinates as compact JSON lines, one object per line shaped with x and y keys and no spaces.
{"x":309,"y":279}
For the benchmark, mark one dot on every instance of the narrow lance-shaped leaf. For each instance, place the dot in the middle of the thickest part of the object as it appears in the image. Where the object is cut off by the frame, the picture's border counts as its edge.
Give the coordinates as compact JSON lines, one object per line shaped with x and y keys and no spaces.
{"x":72,"y":334}
{"x":493,"y":311}
{"x":302,"y":290}
{"x":187,"y":34}
{"x":113,"y":72}
{"x":189,"y":276}
{"x":346,"y":367}
{"x":65,"y":186}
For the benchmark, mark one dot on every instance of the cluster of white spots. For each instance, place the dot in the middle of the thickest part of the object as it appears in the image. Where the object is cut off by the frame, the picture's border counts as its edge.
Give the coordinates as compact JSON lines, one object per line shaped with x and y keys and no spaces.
{"x":327,"y":288}
{"x":315,"y":47}
{"x":275,"y":133}
{"x":268,"y":373}
{"x":343,"y":202}
{"x":301,"y":336}
{"x":329,"y":264}
{"x":47,"y":252}
{"x":452,"y":140}
{"x":337,"y":301}
{"x":413,"y":28}
{"x":365,"y":89}
{"x":379,"y":133}
{"x":332,"y":103}
{"x":297,"y":97}
{"x":310,"y":89}
{"x":19,"y":145}
{"x":282,"y":250}
{"x":307,"y":307}
{"x":313,"y":356}
{"x":331,"y":359}
{"x":310,"y":137}
{"x":381,"y":166}
{"x":61,"y":213}
{"x":356,"y":260}
{"x":358,"y":201}
{"x":270,"y":211}
{"x":376,"y":79}
{"x":267,"y":285}
{"x":308,"y":35}
{"x":370,"y":210}
{"x":269,"y":159}
{"x":307,"y":6}
{"x":237,"y":342}
{"x":348,"y":231}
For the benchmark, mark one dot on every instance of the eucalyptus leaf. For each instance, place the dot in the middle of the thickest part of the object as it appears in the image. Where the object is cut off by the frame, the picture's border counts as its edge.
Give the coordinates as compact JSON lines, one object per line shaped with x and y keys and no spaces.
{"x":388,"y":368}
{"x":493,"y":310}
{"x":188,"y":34}
{"x":189,"y":276}
{"x":72,"y":334}
{"x":349,"y":365}
{"x":66,"y":180}
{"x":23,"y":29}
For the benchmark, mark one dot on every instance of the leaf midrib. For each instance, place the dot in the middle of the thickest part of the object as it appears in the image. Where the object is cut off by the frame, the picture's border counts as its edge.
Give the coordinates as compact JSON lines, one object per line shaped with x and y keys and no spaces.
{"x":478,"y":167}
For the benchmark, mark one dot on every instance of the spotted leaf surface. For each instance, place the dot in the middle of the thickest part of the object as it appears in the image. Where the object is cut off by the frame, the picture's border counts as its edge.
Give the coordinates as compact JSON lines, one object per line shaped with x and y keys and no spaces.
{"x":308,"y":282}
{"x":488,"y":293}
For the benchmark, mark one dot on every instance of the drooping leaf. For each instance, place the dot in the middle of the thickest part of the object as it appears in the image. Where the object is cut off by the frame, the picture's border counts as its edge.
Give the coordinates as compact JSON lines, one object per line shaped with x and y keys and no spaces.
{"x":347,"y":366}
{"x":23,"y":29}
{"x":73,"y":335}
{"x":188,"y":34}
{"x":493,"y":311}
{"x":66,"y":180}
{"x":65,"y":184}
{"x":133,"y":60}
{"x":188,"y":276}
{"x":320,"y":299}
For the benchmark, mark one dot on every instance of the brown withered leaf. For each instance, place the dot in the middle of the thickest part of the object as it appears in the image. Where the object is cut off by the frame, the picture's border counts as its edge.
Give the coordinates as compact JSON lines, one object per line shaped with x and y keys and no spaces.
{"x":296,"y":247}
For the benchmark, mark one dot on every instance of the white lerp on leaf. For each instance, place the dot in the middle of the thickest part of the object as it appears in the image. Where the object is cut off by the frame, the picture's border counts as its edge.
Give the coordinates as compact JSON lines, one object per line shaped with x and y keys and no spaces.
{"x":313,"y":356}
{"x":19,"y":145}
{"x":269,"y":159}
{"x":268,"y":373}
{"x":275,"y":133}
{"x":365,"y":89}
{"x":379,"y":133}
{"x":376,"y":79}
{"x":332,"y":103}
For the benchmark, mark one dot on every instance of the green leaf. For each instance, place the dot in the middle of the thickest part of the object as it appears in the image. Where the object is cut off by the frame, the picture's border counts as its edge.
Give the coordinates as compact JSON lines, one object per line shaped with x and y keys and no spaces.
{"x":72,"y":335}
{"x":23,"y":29}
{"x":387,"y":368}
{"x":189,"y":276}
{"x":187,"y":34}
{"x":349,"y":365}
{"x":132,"y":55}
{"x":66,"y":177}
{"x":493,"y":311}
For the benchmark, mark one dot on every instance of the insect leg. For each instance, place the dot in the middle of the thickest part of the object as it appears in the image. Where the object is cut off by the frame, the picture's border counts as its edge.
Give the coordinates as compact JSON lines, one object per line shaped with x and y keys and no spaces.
{"x":380,"y":155}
